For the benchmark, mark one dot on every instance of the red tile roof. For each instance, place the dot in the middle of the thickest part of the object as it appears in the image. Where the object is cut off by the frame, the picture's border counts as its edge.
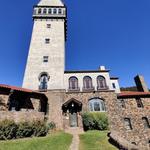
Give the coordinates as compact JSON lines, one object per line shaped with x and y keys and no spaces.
{"x":17,"y":88}
{"x":133,"y":94}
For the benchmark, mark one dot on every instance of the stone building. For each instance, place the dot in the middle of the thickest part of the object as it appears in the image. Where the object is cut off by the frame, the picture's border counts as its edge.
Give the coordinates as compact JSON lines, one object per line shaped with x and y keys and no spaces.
{"x":50,"y":92}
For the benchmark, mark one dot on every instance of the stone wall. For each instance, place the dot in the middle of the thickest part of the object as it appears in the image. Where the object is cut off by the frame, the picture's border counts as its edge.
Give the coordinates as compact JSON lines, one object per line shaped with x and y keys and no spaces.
{"x":139,"y":134}
{"x":21,"y":116}
{"x":3,"y":102}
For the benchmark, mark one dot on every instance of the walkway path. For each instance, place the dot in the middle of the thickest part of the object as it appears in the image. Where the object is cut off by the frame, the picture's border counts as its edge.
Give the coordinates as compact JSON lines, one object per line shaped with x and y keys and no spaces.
{"x":75,"y":141}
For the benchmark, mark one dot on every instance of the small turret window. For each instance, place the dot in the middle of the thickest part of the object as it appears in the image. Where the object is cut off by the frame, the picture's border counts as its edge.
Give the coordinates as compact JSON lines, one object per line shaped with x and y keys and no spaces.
{"x":54,"y":11}
{"x":47,"y":41}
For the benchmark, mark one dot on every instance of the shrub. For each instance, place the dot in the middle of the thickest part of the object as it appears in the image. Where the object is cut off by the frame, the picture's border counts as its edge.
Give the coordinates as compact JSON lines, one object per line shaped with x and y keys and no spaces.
{"x":11,"y":130}
{"x":8,"y":130}
{"x":51,"y":126}
{"x":40,"y":128}
{"x":25,"y":129}
{"x":95,"y":121}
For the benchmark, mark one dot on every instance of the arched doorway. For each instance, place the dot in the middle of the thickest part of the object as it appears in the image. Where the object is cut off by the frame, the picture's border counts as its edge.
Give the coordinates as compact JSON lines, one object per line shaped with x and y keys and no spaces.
{"x":71,"y":110}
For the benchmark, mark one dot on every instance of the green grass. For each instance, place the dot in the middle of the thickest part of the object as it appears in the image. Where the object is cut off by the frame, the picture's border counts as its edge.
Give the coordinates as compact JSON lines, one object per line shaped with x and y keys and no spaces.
{"x":54,"y":141}
{"x":95,"y":140}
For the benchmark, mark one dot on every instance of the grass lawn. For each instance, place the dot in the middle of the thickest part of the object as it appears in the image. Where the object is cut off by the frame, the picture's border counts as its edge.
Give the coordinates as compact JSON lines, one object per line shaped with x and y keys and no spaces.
{"x":54,"y":141}
{"x":95,"y":140}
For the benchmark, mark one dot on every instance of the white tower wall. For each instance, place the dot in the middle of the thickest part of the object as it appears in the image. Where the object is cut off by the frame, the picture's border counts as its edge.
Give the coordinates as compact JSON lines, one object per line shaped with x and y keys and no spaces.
{"x":55,"y":50}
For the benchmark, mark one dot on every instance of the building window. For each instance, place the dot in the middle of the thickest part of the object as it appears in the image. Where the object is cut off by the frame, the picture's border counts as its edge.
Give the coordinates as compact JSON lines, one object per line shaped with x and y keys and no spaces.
{"x":48,"y":25}
{"x":114,"y":85}
{"x":45,"y":59}
{"x":139,"y":103}
{"x":59,"y":11}
{"x":97,"y":104}
{"x":43,"y":81}
{"x":44,"y":11}
{"x":49,"y":10}
{"x":54,"y":11}
{"x":87,"y":82}
{"x":101,"y":82}
{"x":47,"y":41}
{"x":122,"y":103}
{"x":73,"y":83}
{"x":146,"y":122}
{"x":127,"y":123}
{"x":39,"y":11}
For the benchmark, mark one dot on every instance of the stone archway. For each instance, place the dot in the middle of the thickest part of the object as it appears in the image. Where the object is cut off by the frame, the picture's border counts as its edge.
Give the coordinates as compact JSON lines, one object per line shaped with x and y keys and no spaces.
{"x":71,"y":113}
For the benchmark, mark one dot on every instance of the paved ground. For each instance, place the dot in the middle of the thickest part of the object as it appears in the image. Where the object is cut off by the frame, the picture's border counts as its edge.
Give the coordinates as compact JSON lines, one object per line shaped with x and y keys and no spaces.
{"x":75,"y":141}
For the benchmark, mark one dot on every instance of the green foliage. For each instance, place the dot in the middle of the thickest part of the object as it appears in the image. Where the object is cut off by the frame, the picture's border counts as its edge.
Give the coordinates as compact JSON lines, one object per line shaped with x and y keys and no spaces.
{"x":51,"y":126}
{"x":8,"y":130}
{"x":95,"y":121}
{"x":40,"y":129}
{"x":24,"y":130}
{"x":11,"y":130}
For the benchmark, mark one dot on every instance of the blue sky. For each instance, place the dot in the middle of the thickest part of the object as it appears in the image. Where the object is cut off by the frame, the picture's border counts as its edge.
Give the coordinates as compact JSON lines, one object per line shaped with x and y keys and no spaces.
{"x":114,"y":33}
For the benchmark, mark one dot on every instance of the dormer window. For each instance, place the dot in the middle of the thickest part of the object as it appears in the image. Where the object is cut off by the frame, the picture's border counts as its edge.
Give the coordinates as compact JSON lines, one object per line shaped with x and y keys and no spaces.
{"x":45,"y":11}
{"x":54,"y":11}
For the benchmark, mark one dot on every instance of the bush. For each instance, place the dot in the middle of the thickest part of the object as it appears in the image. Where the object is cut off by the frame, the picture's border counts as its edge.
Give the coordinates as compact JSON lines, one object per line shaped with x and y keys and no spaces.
{"x":40,"y":129}
{"x":11,"y":130}
{"x":8,"y":130}
{"x":51,"y":126}
{"x":25,"y":129}
{"x":95,"y":121}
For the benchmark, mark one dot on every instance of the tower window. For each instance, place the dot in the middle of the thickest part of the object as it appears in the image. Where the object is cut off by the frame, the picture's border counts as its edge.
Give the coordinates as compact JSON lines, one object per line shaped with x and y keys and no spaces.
{"x":47,"y":41}
{"x":44,"y":11}
{"x":59,"y":11}
{"x":49,"y":10}
{"x":146,"y":122}
{"x":43,"y":81}
{"x":39,"y":11}
{"x":54,"y":11}
{"x":48,"y":25}
{"x":139,"y":103}
{"x":45,"y":59}
{"x":127,"y":123}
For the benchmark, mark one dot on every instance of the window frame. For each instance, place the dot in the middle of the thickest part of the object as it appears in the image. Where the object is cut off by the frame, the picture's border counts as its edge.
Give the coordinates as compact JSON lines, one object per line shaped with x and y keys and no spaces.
{"x":100,"y":102}
{"x":128,"y":124}
{"x":139,"y":102}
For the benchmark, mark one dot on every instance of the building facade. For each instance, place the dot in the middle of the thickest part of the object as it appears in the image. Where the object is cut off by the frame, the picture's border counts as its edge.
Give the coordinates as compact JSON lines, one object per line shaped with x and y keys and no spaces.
{"x":61,"y":96}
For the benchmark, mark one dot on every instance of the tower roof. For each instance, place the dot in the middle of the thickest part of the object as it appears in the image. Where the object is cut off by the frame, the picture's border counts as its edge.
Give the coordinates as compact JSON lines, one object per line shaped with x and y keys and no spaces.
{"x":50,"y":3}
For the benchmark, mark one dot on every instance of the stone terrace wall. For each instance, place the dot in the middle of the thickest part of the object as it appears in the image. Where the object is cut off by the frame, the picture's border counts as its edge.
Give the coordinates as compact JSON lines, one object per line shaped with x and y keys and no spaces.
{"x":20,"y":116}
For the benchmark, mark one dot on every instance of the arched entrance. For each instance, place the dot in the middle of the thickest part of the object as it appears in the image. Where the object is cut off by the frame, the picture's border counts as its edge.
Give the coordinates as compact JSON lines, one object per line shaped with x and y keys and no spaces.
{"x":71,"y":111}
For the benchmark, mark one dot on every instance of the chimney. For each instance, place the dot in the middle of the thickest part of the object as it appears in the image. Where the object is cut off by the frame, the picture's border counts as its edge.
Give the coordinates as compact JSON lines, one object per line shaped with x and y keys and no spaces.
{"x":102,"y":68}
{"x":140,"y":83}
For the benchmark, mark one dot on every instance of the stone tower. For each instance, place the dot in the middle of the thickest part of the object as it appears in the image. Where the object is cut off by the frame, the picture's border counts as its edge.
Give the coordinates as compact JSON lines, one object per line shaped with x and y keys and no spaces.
{"x":46,"y":59}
